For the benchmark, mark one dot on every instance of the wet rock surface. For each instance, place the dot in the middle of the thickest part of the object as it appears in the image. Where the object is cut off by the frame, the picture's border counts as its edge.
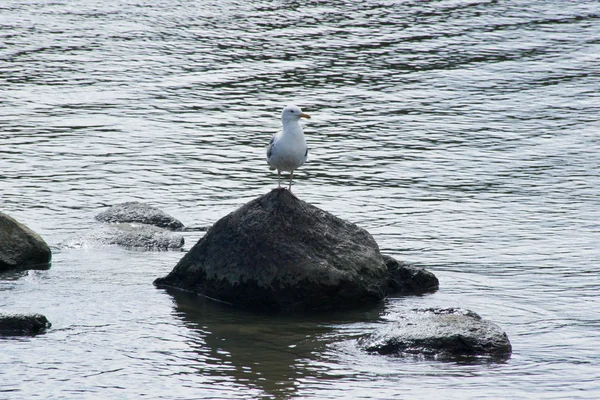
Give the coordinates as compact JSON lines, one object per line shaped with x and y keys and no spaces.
{"x":142,"y":213}
{"x":23,"y":324}
{"x":440,"y":333}
{"x":20,"y":247}
{"x":131,"y":236}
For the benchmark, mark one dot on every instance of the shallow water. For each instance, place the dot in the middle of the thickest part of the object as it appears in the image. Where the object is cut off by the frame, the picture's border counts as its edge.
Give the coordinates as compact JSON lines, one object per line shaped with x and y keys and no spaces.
{"x":462,"y":134}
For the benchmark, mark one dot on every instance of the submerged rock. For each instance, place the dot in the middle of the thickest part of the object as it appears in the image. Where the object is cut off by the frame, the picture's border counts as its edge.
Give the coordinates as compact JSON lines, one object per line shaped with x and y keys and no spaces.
{"x":20,"y":247}
{"x":142,"y":213}
{"x":404,"y":278}
{"x":20,"y":324}
{"x":132,"y":236}
{"x":443,"y":334}
{"x":280,"y":253}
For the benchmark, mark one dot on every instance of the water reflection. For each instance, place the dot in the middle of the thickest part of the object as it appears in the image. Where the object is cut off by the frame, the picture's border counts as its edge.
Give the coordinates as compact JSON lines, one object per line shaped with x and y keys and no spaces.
{"x":12,"y":275}
{"x":19,"y":272}
{"x":272,"y":352}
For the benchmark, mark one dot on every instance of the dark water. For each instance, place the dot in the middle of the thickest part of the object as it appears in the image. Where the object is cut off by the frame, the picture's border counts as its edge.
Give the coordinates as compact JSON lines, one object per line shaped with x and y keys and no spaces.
{"x":463,"y":135}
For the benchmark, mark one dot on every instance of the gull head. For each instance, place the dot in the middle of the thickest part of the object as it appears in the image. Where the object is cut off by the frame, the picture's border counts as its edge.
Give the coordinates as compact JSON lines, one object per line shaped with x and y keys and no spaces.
{"x":292,"y":113}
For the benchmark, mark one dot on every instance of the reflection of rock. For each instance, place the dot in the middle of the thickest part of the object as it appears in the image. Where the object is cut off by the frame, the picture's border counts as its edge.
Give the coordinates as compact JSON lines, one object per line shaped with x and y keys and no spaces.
{"x":20,"y":246}
{"x":142,"y":213}
{"x":273,"y":354}
{"x":20,"y":324}
{"x":278,"y":252}
{"x":18,"y":273}
{"x":408,"y":279}
{"x":196,"y":228}
{"x":440,"y":334}
{"x":132,"y":236}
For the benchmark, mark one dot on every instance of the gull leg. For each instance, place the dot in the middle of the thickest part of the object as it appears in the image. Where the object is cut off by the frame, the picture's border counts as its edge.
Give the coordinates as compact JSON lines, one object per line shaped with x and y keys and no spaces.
{"x":291,"y":177}
{"x":278,"y":179}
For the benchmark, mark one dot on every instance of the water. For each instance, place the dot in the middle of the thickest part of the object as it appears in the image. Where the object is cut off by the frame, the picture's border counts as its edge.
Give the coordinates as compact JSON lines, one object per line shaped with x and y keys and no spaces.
{"x":462,"y":134}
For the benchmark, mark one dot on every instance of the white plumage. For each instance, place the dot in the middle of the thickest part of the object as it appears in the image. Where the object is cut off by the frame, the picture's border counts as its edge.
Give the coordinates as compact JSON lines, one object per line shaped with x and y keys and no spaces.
{"x":287,"y":150}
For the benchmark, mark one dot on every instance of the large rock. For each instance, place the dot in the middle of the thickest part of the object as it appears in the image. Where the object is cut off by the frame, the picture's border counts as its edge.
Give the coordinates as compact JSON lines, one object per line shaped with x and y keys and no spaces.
{"x":278,"y":252}
{"x":20,"y":247}
{"x":21,"y":324}
{"x":142,"y":213}
{"x":441,"y":334}
{"x":130,"y":236}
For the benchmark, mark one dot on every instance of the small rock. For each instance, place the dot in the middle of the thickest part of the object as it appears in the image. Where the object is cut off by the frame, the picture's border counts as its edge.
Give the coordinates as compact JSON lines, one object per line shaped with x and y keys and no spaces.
{"x":20,"y":247}
{"x":438,"y":333}
{"x":132,"y":236}
{"x":142,"y":213}
{"x":23,"y":325}
{"x":408,"y":279}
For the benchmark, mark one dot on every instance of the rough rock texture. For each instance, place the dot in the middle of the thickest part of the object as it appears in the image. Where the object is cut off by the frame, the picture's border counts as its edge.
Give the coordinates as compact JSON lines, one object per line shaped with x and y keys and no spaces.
{"x":142,"y":213}
{"x":408,"y":279}
{"x":19,"y":324}
{"x":132,"y":236}
{"x":440,"y":334}
{"x":279,"y":253}
{"x":20,"y":247}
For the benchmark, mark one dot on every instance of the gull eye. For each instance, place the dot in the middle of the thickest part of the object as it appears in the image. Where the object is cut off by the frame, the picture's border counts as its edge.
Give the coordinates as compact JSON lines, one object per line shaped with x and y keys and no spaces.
{"x":292,"y":111}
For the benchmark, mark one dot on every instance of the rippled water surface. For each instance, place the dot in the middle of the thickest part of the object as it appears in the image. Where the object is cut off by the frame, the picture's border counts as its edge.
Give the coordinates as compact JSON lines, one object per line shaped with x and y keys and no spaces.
{"x":463,"y":135}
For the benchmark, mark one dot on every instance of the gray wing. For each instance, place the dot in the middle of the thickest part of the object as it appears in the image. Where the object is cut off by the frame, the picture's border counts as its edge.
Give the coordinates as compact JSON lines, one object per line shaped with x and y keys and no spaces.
{"x":270,"y":150}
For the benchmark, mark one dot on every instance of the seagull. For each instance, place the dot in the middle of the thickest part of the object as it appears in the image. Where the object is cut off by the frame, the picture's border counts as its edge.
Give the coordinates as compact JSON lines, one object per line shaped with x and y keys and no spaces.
{"x":287,"y":150}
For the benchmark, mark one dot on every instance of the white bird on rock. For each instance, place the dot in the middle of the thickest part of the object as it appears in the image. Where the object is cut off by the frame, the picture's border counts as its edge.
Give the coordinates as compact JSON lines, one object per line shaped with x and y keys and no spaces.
{"x":287,"y":150}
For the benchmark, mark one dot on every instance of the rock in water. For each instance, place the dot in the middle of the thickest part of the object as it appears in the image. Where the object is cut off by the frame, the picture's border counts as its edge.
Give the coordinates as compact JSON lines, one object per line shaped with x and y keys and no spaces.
{"x":20,"y":324}
{"x":131,"y":236}
{"x":440,"y":333}
{"x":135,"y":211}
{"x":408,"y":279}
{"x":20,"y":246}
{"x":280,"y":253}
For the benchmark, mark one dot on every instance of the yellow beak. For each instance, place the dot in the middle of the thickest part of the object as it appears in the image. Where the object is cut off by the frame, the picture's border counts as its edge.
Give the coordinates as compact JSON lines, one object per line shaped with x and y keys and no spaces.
{"x":304,"y":115}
